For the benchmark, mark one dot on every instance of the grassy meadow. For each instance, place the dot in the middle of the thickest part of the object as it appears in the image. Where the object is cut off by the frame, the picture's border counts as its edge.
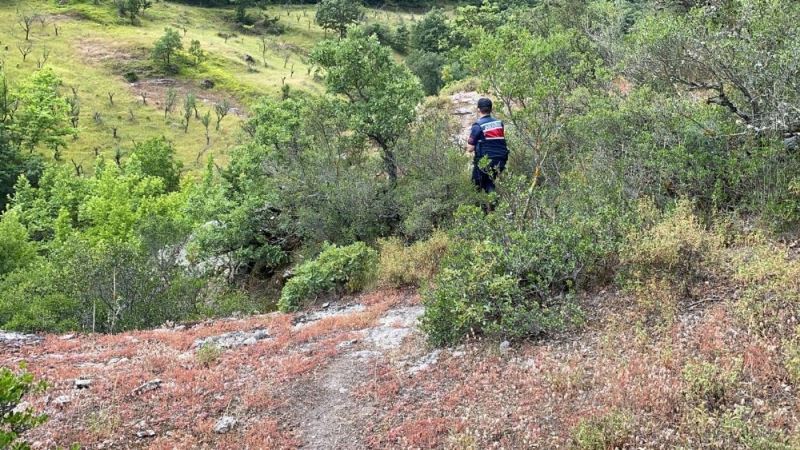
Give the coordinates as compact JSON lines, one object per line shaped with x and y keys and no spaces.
{"x":91,"y":48}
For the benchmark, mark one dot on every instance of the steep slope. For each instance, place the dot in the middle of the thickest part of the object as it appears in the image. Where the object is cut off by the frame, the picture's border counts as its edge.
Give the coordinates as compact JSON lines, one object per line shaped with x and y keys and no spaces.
{"x":357,"y":374}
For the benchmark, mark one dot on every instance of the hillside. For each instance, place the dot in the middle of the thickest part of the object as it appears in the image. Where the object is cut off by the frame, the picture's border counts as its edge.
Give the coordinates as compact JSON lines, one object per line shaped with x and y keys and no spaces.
{"x":94,"y":48}
{"x":356,"y":373}
{"x":529,"y":224}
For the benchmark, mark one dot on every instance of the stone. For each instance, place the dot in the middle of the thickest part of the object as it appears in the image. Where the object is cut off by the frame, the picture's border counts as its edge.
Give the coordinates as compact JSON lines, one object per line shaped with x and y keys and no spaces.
{"x":17,"y":339}
{"x":224,"y":424}
{"x":233,"y":339}
{"x":331,"y":311}
{"x":62,"y":400}
{"x":83,"y":383}
{"x":145,"y":434}
{"x":505,"y":346}
{"x":425,"y":362}
{"x":147,"y":387}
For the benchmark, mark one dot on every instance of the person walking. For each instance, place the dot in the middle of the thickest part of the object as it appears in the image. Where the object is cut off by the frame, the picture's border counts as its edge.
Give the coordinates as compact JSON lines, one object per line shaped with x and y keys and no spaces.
{"x":487,"y":138}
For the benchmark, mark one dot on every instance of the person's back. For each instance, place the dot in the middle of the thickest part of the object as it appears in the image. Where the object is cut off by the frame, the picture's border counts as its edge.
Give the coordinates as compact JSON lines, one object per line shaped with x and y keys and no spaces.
{"x":487,"y":139}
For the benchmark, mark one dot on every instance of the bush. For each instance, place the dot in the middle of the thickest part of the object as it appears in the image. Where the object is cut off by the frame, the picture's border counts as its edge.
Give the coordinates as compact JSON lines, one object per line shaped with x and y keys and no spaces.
{"x":427,"y":66}
{"x":413,"y":265}
{"x":769,"y":303}
{"x":208,"y":354}
{"x":708,"y":385}
{"x":435,"y":181}
{"x":336,"y":268}
{"x":502,"y":281}
{"x":677,"y":249}
{"x":131,"y":76}
{"x":16,"y":248}
{"x":611,"y":430}
{"x":15,"y":420}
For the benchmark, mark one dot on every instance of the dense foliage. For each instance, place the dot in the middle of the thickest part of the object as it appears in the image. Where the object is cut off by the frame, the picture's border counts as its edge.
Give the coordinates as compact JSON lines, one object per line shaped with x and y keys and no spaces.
{"x":15,"y":416}
{"x":687,"y":108}
{"x":336,"y":268}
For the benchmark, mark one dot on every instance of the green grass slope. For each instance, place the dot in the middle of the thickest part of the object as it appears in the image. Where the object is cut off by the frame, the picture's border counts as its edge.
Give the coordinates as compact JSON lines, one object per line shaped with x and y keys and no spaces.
{"x":94,"y":48}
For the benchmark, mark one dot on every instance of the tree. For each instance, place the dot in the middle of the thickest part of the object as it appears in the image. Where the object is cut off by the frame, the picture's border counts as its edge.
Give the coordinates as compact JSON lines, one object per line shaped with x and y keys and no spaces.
{"x":25,"y":20}
{"x":166,"y":48}
{"x":197,"y":52}
{"x":43,"y":115}
{"x":427,"y":67}
{"x":206,"y":121}
{"x":25,"y":48}
{"x":741,"y":58}
{"x":132,"y":9}
{"x":221,"y":110}
{"x":337,"y":15}
{"x":189,"y":105}
{"x":155,"y":157}
{"x":16,"y":248}
{"x":431,"y":33}
{"x":382,"y":95}
{"x":533,"y":75}
{"x":13,"y":164}
{"x":169,"y":101}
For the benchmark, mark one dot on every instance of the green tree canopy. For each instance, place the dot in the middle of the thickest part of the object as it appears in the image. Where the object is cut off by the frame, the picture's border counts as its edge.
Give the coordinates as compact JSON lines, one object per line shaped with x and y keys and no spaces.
{"x":166,"y":47}
{"x":43,"y":113}
{"x":381,"y":94}
{"x":337,"y":15}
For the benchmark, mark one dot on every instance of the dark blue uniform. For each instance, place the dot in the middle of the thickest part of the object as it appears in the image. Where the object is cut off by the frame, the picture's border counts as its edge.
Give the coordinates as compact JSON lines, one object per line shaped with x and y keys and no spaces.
{"x":489,"y":138}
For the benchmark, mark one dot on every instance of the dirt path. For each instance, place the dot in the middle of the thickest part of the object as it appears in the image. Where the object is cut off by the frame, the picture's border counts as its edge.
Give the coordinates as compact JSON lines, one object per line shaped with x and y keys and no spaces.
{"x":327,"y":409}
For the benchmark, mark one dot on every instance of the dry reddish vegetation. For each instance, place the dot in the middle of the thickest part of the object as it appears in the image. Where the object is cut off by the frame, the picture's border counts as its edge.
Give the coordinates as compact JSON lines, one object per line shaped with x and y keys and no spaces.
{"x":700,"y":382}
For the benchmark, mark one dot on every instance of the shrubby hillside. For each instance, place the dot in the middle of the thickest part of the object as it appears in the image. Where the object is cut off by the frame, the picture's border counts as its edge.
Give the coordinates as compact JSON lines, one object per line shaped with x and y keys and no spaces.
{"x":631,"y":283}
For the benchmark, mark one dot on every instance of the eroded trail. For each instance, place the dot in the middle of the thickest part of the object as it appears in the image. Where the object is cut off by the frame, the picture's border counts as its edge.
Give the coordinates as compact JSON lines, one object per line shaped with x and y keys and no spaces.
{"x":329,"y":408}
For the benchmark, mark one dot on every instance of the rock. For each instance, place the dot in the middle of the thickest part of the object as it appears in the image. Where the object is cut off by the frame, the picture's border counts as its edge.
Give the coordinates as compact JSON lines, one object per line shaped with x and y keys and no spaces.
{"x":233,"y":339}
{"x":224,"y":424}
{"x":67,"y":337}
{"x":147,"y":387}
{"x":346,"y":344}
{"x":326,"y":305}
{"x":505,"y":346}
{"x":425,"y":362}
{"x":330,"y":311}
{"x":463,"y":111}
{"x":62,"y":400}
{"x":18,"y":339}
{"x":207,"y":84}
{"x":367,"y":354}
{"x":83,"y":383}
{"x":388,"y":337}
{"x":145,"y":434}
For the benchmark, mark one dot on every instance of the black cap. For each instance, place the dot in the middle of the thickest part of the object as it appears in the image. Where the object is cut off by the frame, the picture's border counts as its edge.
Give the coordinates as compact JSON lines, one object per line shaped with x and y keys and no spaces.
{"x":484,"y":103}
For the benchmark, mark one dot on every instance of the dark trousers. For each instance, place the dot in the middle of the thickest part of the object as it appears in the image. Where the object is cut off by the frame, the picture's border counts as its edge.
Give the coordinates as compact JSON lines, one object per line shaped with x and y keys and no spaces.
{"x":484,"y":177}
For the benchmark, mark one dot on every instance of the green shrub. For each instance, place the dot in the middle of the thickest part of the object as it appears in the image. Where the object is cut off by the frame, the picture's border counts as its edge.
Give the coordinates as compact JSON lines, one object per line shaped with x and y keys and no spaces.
{"x":611,"y":430}
{"x":13,"y":420}
{"x":16,"y":248}
{"x":208,"y":354}
{"x":769,"y":302}
{"x":504,"y":281}
{"x":708,"y":385}
{"x":414,"y":265}
{"x":348,"y":268}
{"x":791,"y":361}
{"x":130,"y":76}
{"x":427,"y":66}
{"x":677,"y":248}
